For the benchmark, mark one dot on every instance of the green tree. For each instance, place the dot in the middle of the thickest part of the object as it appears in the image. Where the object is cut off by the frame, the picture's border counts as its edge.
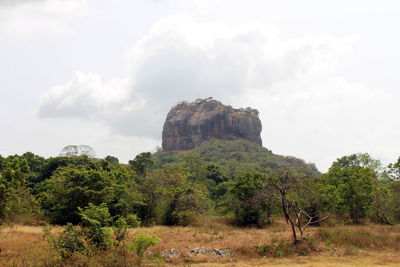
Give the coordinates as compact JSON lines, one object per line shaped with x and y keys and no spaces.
{"x":96,"y":221}
{"x":72,"y":187}
{"x":217,"y":183}
{"x":393,"y":170}
{"x":354,"y":179}
{"x":112,"y":160}
{"x":2,"y":160}
{"x":357,"y":160}
{"x":142,"y":163}
{"x":182,"y":197}
{"x":15,"y":197}
{"x":36,"y":164}
{"x":249,"y":199}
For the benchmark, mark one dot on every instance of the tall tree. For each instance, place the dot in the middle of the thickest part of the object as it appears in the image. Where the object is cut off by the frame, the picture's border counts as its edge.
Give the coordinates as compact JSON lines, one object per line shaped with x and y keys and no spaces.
{"x":142,"y":163}
{"x":354,"y":177}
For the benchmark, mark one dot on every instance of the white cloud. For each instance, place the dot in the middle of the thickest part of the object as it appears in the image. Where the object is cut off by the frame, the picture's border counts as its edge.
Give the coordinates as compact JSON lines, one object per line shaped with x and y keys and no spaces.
{"x":84,"y":96}
{"x":306,"y":108}
{"x":26,"y":17}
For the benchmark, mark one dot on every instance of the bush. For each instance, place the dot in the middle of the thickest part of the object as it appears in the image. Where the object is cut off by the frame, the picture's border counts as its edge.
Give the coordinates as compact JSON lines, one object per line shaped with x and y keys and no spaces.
{"x":133,"y":221}
{"x":70,"y":241}
{"x":141,"y":243}
{"x":120,"y":232}
{"x":96,"y":220}
{"x":284,"y":248}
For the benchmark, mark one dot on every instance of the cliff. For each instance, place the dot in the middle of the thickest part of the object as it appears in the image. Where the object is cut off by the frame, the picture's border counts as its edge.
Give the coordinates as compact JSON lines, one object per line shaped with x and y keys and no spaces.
{"x":189,"y":124}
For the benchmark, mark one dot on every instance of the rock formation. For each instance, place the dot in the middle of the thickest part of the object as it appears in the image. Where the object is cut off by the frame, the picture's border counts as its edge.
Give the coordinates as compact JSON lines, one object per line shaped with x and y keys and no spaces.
{"x":189,"y":124}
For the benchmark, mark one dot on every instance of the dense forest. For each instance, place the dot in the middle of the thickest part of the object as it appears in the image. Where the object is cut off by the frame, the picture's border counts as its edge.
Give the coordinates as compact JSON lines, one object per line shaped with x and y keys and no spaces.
{"x":237,"y":180}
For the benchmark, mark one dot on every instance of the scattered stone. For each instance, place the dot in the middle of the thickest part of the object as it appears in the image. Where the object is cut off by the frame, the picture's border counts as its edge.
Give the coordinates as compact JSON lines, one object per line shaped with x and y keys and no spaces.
{"x":170,"y":253}
{"x":210,"y":251}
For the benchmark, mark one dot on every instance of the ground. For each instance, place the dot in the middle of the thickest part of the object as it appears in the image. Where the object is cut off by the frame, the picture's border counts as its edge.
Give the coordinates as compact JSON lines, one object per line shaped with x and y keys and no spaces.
{"x":366,"y":245}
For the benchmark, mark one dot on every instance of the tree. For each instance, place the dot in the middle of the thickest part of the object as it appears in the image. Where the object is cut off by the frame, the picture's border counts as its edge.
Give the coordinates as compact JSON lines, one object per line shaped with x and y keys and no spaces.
{"x":15,"y":197}
{"x":216,"y":182}
{"x":393,"y":170}
{"x":80,"y":150}
{"x":284,"y":182}
{"x":357,"y":160}
{"x":112,"y":160}
{"x":316,"y":198}
{"x":354,"y":179}
{"x":250,"y":202}
{"x":183,"y":198}
{"x":36,"y":164}
{"x":72,"y":187}
{"x":2,"y":160}
{"x":142,"y":163}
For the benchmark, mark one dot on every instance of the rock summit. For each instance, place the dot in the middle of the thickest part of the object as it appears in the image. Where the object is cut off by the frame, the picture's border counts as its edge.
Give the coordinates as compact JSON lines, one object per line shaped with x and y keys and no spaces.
{"x":189,"y":124}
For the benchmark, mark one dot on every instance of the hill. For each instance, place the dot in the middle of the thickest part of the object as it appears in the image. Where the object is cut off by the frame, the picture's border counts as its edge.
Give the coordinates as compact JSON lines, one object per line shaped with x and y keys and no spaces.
{"x":234,"y":157}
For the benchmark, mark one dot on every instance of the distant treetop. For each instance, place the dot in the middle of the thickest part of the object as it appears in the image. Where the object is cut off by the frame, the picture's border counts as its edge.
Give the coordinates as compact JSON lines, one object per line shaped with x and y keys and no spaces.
{"x":78,"y":150}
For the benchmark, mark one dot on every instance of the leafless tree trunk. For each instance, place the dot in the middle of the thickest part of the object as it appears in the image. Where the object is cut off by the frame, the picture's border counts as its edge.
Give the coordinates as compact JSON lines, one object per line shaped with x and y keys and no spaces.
{"x":295,"y":216}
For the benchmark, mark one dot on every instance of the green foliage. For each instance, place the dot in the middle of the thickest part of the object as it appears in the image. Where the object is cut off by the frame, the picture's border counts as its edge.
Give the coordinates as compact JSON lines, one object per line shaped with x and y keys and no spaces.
{"x":386,"y":204}
{"x":52,"y":164}
{"x":181,"y":197}
{"x":393,"y":170}
{"x":248,"y":200}
{"x":133,"y":221}
{"x":357,"y":160}
{"x":284,"y":248}
{"x":141,"y":243}
{"x":172,"y":195}
{"x":95,"y":233}
{"x":235,"y":157}
{"x":96,"y":221}
{"x":36,"y":164}
{"x":276,"y":249}
{"x":112,"y":160}
{"x":73,"y":186}
{"x":15,"y":197}
{"x":2,"y":160}
{"x":120,"y":232}
{"x":70,"y":188}
{"x":394,"y":198}
{"x":69,"y":241}
{"x":142,"y":163}
{"x":353,"y":185}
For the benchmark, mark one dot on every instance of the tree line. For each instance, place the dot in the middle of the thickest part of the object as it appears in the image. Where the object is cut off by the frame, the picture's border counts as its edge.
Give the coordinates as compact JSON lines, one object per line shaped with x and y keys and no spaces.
{"x":151,"y":190}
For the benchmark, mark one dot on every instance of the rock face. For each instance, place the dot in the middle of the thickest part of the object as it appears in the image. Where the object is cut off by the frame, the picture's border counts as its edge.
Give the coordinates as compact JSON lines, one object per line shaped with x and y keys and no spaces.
{"x":189,"y":124}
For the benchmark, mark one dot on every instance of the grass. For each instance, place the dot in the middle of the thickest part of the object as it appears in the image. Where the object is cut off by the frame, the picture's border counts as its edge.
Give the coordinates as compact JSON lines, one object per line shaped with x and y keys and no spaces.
{"x":345,"y":245}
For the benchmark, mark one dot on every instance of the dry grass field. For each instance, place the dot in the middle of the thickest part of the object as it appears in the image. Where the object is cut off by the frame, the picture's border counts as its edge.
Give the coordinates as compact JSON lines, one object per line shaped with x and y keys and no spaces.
{"x":366,"y":245}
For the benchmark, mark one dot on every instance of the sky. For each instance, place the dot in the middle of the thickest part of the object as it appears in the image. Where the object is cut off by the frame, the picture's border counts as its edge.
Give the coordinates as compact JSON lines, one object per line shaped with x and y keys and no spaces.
{"x":324,"y":75}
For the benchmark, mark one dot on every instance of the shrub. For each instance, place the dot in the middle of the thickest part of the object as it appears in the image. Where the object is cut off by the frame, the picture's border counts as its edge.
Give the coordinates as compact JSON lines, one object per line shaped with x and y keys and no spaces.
{"x":70,"y":241}
{"x":120,"y":232}
{"x":96,"y":221}
{"x":133,"y":221}
{"x":284,"y":248}
{"x":141,"y":243}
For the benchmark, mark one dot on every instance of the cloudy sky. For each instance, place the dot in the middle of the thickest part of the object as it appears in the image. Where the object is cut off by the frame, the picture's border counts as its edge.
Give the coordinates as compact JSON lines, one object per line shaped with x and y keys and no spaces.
{"x":323,"y":74}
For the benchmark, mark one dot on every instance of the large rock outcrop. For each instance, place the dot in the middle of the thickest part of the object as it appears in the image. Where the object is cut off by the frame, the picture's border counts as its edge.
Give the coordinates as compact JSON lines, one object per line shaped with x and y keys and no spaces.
{"x":189,"y":124}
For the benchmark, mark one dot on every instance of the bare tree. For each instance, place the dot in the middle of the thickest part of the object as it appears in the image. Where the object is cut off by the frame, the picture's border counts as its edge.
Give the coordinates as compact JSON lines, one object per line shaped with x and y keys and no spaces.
{"x":282,"y":183}
{"x":78,"y":150}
